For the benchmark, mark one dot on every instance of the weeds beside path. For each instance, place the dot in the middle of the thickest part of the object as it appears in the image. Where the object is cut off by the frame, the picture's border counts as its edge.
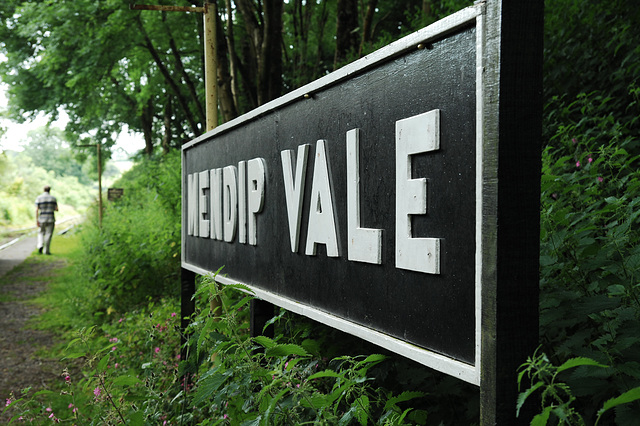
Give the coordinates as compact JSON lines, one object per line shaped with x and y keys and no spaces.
{"x":21,"y":344}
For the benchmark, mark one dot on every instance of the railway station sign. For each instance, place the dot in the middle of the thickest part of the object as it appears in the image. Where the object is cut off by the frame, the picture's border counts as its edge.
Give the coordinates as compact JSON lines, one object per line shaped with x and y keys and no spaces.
{"x":368,"y":199}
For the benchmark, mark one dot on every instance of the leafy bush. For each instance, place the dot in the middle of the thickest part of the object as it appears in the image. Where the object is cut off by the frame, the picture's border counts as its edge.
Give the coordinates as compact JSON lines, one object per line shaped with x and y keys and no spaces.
{"x":135,"y":254}
{"x":590,"y":257}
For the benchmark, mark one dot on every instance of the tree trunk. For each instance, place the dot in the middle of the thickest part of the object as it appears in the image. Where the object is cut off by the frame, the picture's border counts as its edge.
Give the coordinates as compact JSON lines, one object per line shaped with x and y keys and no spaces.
{"x":270,"y":69}
{"x":233,"y":59}
{"x":265,"y":47}
{"x":346,"y":37}
{"x":367,"y":25}
{"x":146,"y":119}
{"x":225,"y":73}
{"x":166,"y":139}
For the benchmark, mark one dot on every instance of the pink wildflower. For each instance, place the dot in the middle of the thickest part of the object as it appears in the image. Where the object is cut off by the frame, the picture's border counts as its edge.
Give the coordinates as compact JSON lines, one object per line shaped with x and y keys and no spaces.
{"x":590,"y":160}
{"x":577,"y":164}
{"x":70,"y":405}
{"x":600,"y":179}
{"x":67,"y":378}
{"x":157,"y":350}
{"x":97,"y":391}
{"x":9,"y":401}
{"x":48,"y":409}
{"x":173,"y":314}
{"x":113,"y":348}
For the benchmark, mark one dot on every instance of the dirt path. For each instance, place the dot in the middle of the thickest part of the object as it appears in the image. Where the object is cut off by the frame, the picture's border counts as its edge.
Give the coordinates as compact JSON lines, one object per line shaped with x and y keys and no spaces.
{"x":20,"y":364}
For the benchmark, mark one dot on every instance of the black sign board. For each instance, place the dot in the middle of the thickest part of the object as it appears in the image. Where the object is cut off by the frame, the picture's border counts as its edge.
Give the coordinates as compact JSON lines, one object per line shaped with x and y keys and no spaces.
{"x":114,"y":193}
{"x":367,"y":199}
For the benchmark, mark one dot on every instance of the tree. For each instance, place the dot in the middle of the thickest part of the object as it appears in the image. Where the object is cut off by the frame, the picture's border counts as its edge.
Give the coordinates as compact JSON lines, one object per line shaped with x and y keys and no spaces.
{"x":110,"y":67}
{"x":49,"y":149}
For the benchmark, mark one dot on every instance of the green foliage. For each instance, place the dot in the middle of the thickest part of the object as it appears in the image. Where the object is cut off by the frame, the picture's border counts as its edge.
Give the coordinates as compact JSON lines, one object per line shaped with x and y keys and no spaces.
{"x":135,"y":254}
{"x":280,"y":380}
{"x":589,"y":260}
{"x":123,"y":372}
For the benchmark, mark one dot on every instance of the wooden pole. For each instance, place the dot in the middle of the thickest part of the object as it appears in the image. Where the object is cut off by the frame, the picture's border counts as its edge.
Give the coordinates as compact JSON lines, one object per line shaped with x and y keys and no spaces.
{"x":187,"y":278}
{"x":513,"y":126}
{"x":210,"y":65}
{"x":99,"y":184}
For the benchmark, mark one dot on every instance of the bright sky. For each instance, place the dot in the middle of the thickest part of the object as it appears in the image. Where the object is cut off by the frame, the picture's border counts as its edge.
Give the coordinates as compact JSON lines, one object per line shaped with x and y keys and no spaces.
{"x":17,"y":132}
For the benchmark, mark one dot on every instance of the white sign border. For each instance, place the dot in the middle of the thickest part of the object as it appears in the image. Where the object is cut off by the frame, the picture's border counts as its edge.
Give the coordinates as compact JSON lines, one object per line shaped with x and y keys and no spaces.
{"x":466,"y":372}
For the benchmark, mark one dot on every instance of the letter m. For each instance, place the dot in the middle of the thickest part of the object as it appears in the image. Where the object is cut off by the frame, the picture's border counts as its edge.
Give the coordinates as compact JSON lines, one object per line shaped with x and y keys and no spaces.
{"x":192,"y":204}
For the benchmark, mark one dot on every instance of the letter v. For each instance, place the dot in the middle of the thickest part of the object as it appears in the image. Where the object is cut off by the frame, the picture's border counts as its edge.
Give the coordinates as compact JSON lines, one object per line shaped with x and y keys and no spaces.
{"x":294,"y":190}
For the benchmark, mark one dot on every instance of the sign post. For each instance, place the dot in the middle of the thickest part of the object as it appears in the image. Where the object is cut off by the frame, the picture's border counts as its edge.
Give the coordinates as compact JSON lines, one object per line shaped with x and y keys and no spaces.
{"x":395,"y":199}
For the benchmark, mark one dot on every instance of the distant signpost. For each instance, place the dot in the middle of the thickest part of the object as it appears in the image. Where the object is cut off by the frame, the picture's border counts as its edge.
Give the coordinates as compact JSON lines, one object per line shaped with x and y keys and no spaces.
{"x":114,"y":193}
{"x":395,"y":199}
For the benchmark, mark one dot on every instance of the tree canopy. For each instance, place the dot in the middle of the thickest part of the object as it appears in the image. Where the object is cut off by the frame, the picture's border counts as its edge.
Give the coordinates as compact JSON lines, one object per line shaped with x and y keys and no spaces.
{"x":108,"y":66}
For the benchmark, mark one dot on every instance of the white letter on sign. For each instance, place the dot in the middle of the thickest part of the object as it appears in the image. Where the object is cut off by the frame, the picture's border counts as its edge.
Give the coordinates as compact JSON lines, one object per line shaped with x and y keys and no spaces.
{"x":204,"y":209}
{"x":255,"y":179}
{"x":192,"y":204}
{"x":414,"y":135}
{"x":294,"y":190}
{"x":322,"y":225}
{"x":215,"y":194}
{"x":364,"y":244}
{"x":242,"y":202}
{"x":230,"y":201}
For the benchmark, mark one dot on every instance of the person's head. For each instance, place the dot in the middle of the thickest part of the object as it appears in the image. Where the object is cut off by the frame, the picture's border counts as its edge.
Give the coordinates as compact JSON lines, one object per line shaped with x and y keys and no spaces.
{"x":47,"y":188}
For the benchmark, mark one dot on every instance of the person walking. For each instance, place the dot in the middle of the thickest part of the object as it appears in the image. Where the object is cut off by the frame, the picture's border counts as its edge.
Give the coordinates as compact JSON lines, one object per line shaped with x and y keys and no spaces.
{"x":46,"y":204}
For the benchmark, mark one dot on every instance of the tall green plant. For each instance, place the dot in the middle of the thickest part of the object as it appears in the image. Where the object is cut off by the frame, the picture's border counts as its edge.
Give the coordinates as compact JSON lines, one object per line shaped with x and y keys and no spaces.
{"x":264,"y":381}
{"x":590,"y":251}
{"x":135,"y":254}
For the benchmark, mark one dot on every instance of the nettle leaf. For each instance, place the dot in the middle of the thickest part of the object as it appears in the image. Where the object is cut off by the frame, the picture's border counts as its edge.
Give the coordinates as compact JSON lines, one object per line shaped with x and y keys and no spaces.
{"x":325,"y":373}
{"x":207,"y":386}
{"x":264,"y":341}
{"x":542,"y":418}
{"x":126,"y":381}
{"x":628,"y":396}
{"x":285,"y":350}
{"x":362,"y":409}
{"x":522,"y":397}
{"x":102,"y":364}
{"x":403,"y":397}
{"x":579,"y":361}
{"x":315,"y":401}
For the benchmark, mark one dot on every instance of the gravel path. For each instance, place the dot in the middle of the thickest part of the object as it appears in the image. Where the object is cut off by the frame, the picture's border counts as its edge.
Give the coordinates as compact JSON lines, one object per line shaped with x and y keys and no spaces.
{"x":20,"y":365}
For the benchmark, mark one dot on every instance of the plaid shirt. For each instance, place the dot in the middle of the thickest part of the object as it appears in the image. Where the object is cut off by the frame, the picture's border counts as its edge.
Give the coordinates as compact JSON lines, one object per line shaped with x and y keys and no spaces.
{"x":46,"y":204}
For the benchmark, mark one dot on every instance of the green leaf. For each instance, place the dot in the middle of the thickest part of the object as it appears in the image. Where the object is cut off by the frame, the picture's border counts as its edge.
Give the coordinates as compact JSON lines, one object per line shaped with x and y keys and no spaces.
{"x":362,"y":409}
{"x":522,"y":397}
{"x":136,"y":418}
{"x":579,"y":361}
{"x":542,"y":418}
{"x":285,"y":350}
{"x":126,"y":381}
{"x":404,"y":396}
{"x":628,"y":396}
{"x":315,"y":401}
{"x":325,"y":373}
{"x":264,"y":341}
{"x":208,"y":385}
{"x":102,"y":364}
